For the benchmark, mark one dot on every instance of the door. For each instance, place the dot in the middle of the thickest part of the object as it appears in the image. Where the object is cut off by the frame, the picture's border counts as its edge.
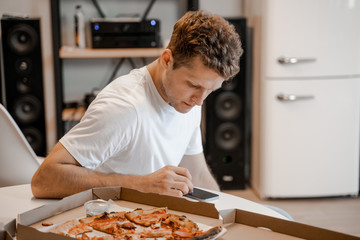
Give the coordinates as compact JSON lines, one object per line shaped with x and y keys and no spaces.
{"x":311,"y":38}
{"x":310,"y":140}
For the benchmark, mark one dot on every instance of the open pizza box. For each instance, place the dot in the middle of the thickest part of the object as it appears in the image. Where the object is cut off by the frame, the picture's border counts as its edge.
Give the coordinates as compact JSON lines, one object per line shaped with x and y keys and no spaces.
{"x":29,"y":224}
{"x":7,"y":228}
{"x":239,"y":224}
{"x":242,"y":224}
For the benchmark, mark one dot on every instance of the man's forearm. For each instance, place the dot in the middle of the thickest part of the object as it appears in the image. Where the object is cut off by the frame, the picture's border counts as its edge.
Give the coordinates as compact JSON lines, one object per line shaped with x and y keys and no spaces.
{"x":206,"y":180}
{"x":61,"y":175}
{"x":60,"y":180}
{"x":201,"y":175}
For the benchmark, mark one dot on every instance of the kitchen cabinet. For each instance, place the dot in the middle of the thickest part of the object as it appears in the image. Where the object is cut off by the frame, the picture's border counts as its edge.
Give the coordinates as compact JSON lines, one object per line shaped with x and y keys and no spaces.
{"x":306,"y":100}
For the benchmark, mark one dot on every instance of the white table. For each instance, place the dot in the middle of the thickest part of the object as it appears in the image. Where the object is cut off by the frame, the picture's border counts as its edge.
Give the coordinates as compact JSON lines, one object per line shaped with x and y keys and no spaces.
{"x":18,"y":199}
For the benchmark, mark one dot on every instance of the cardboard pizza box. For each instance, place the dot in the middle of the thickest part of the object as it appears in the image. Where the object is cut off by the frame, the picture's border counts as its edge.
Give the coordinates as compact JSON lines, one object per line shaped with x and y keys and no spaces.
{"x":72,"y":207}
{"x":239,"y":224}
{"x":7,"y":228}
{"x":242,"y":224}
{"x":5,"y":235}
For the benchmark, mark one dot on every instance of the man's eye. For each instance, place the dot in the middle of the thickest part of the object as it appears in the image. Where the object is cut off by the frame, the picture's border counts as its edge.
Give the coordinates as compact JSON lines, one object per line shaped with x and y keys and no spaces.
{"x":192,"y":85}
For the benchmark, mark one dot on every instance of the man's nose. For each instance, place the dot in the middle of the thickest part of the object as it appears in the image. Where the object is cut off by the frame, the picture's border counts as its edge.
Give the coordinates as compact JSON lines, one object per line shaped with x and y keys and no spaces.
{"x":199,"y":98}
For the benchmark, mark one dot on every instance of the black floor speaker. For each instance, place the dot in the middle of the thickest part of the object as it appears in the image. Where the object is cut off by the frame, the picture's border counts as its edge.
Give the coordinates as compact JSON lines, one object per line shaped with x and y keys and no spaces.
{"x":23,"y":93}
{"x":227,"y":121}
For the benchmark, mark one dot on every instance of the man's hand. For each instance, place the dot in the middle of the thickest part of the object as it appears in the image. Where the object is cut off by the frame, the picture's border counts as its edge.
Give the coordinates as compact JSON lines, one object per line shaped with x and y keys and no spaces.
{"x":169,"y":180}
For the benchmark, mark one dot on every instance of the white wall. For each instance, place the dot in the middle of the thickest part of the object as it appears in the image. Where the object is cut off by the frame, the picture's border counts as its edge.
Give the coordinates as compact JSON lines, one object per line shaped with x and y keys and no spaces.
{"x":225,"y":8}
{"x":40,"y":9}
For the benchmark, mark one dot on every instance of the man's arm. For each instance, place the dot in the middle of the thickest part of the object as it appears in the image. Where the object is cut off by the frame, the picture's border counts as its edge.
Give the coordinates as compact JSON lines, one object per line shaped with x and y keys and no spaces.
{"x":199,"y":170}
{"x":61,"y":175}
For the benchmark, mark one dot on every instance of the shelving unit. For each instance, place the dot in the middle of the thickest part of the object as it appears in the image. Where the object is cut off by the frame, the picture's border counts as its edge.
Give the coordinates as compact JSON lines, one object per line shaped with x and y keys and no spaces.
{"x":74,"y":52}
{"x":61,"y":52}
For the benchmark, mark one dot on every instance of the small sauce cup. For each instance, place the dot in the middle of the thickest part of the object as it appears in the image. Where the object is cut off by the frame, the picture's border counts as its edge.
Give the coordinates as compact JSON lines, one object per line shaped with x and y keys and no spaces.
{"x":95,"y":207}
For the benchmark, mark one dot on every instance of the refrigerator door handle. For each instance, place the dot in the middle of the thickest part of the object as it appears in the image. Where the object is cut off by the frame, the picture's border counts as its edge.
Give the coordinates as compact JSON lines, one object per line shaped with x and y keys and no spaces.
{"x":294,"y":60}
{"x":292,"y":97}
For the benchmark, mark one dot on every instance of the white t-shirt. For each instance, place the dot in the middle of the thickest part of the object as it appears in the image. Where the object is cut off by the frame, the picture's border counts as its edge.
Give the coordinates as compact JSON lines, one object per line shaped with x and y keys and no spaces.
{"x":130,"y":129}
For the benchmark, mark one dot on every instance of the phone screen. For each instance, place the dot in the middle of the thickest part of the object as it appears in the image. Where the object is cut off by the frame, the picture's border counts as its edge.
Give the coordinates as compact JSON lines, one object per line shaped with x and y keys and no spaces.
{"x":203,"y":195}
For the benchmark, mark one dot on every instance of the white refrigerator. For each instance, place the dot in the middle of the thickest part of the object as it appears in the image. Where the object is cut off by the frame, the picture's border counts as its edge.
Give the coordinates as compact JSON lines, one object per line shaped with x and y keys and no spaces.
{"x":306,"y":97}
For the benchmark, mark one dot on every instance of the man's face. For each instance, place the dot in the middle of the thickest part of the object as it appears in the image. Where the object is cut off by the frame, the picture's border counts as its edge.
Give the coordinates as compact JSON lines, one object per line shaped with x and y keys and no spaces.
{"x":185,"y":87}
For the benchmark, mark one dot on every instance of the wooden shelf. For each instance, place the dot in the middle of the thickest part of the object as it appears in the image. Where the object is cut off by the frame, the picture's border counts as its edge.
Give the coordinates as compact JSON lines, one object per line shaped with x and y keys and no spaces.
{"x":74,"y":52}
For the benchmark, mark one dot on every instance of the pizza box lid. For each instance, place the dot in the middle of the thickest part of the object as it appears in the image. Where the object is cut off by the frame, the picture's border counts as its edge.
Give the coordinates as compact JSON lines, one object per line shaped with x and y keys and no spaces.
{"x":7,"y":228}
{"x":5,"y":235}
{"x":251,"y":225}
{"x":72,"y":207}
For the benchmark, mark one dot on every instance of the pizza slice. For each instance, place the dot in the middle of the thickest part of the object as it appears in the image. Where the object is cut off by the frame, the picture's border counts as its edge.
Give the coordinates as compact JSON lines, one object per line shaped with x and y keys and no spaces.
{"x":181,"y":225}
{"x":114,"y":223}
{"x":72,"y":228}
{"x":118,"y":215}
{"x":147,"y":217}
{"x":207,"y":235}
{"x":84,"y":236}
{"x":184,"y":228}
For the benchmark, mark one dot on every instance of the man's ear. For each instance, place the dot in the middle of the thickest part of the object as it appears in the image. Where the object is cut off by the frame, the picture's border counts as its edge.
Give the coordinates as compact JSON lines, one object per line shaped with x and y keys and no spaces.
{"x":166,"y":59}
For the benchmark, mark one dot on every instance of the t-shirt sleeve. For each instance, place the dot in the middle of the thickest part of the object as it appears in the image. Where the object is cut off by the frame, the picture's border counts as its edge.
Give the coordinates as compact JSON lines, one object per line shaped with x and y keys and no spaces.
{"x":195,"y":144}
{"x":101,"y":132}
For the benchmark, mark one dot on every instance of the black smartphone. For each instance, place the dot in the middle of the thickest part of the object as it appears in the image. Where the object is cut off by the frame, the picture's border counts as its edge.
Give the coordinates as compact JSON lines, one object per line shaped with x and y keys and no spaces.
{"x":202,"y":195}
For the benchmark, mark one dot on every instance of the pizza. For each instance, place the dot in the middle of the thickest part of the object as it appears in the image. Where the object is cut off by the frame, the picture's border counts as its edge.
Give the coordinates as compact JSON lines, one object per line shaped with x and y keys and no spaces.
{"x":154,"y":223}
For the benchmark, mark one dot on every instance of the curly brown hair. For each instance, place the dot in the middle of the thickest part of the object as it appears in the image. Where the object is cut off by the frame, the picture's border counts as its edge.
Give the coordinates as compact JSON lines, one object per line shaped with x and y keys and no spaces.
{"x":211,"y":37}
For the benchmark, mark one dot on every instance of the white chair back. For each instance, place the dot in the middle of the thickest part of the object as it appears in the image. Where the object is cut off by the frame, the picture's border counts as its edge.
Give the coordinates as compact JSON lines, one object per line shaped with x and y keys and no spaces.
{"x":18,"y":161}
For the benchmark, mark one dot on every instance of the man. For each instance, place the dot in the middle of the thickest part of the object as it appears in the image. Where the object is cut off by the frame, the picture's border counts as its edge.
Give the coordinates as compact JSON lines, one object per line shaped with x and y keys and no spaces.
{"x":143,"y":130}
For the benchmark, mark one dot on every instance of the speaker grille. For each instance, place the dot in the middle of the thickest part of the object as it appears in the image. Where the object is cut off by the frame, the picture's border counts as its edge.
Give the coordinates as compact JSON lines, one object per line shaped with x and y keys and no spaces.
{"x":27,"y":109}
{"x":23,"y":80}
{"x":22,"y":39}
{"x":227,"y":137}
{"x":228,"y":106}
